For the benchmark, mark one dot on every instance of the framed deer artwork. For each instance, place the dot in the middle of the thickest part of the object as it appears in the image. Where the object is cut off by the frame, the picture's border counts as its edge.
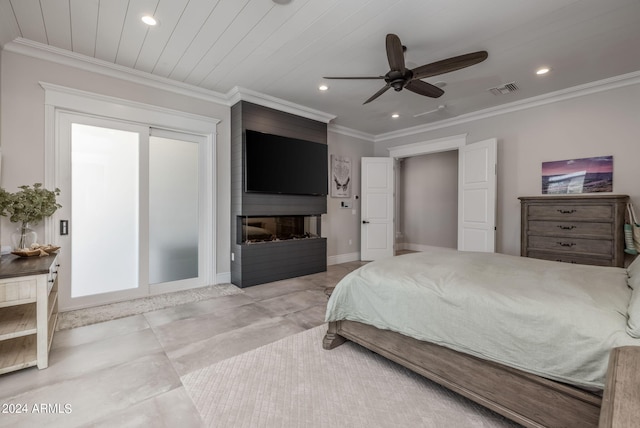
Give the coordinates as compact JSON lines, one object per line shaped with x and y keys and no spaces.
{"x":340,"y":177}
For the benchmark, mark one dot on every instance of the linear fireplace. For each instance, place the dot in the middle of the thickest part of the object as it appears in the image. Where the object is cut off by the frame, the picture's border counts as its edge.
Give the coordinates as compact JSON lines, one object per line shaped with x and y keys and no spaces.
{"x":275,"y":231}
{"x":256,"y":229}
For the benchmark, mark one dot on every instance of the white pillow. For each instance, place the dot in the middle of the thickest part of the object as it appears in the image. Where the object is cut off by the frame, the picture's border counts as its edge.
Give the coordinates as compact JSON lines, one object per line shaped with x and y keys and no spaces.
{"x":634,"y":274}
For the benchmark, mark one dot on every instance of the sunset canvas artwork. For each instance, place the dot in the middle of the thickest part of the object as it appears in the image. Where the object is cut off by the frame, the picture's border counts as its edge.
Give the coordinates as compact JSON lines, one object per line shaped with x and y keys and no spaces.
{"x":587,"y":175}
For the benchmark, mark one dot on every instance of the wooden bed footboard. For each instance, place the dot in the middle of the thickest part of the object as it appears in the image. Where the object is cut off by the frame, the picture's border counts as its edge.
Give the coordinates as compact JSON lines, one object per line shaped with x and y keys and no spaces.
{"x":530,"y":400}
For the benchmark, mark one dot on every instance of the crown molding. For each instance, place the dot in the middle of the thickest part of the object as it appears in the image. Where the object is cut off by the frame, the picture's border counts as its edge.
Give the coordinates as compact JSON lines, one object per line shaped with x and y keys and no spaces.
{"x":64,"y":57}
{"x":238,"y":93}
{"x":349,"y":132}
{"x":552,"y":97}
{"x":61,"y":56}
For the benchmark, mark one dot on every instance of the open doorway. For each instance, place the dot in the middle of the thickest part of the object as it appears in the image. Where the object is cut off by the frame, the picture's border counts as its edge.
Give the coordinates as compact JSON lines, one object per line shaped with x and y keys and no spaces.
{"x":476,"y":188}
{"x":427,"y":201}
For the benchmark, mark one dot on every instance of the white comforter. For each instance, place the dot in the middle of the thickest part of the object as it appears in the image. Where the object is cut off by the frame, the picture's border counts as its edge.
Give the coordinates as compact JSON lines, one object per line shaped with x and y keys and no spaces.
{"x":556,"y":320}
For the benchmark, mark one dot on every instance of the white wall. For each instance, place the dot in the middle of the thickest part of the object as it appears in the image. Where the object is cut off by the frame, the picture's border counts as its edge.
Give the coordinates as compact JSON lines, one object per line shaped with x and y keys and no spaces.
{"x":598,"y":124}
{"x":22,"y":131}
{"x":428,"y":200}
{"x":340,"y":225}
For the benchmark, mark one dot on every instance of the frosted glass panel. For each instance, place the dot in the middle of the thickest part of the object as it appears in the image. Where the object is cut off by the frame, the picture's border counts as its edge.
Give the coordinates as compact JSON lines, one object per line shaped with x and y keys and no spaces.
{"x":173,"y":210}
{"x":104,"y":210}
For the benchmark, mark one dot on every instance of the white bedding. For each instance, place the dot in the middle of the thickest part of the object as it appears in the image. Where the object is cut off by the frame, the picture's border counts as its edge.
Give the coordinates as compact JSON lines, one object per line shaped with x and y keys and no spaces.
{"x":556,"y":320}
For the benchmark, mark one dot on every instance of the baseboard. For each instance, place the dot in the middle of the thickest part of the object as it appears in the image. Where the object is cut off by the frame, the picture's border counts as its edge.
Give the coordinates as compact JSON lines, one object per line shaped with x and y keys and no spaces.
{"x":343,"y":258}
{"x":223,"y":278}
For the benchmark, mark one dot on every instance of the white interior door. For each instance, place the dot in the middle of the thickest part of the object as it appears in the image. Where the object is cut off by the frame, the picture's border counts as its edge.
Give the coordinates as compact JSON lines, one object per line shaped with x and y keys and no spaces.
{"x":377,"y":229}
{"x":477,"y":166}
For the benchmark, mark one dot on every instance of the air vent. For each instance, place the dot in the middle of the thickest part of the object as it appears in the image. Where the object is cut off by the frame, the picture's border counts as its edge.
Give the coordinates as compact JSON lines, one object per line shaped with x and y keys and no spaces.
{"x":504,"y":89}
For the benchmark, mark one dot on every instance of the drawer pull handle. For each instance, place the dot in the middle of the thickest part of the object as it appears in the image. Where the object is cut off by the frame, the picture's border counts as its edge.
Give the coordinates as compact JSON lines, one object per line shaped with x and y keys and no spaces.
{"x":566,"y":211}
{"x":572,"y":262}
{"x":566,"y":227}
{"x":565,"y":244}
{"x":52,"y":280}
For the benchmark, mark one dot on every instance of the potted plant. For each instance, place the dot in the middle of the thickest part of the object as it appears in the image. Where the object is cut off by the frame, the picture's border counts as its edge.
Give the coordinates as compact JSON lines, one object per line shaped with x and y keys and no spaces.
{"x":28,"y":207}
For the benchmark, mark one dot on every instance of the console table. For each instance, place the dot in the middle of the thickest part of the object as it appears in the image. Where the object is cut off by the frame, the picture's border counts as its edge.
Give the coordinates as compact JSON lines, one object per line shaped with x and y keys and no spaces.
{"x":28,"y":310}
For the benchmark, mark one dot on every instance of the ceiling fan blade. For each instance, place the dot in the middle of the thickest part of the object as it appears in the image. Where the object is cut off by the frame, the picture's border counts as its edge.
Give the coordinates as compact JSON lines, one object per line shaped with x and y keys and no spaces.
{"x":449,"y":64}
{"x":424,"y":88}
{"x":355,"y":77}
{"x":395,"y":53}
{"x":377,"y":94}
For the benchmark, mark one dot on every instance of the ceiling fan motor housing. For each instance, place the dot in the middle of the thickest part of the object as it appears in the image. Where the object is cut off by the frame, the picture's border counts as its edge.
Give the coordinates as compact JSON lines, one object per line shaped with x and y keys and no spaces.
{"x":398,"y":79}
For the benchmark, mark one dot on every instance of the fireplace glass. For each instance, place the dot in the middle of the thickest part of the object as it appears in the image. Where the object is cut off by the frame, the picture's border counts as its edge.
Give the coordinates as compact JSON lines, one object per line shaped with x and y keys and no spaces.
{"x":255,"y":229}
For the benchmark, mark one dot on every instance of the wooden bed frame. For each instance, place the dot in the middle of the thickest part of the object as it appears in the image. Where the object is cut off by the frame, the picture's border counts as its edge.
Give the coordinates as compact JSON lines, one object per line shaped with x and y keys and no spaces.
{"x":530,"y":400}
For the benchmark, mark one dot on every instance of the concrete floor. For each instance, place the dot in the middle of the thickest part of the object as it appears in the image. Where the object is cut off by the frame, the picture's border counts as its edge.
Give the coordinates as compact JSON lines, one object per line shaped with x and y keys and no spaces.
{"x":126,"y":372}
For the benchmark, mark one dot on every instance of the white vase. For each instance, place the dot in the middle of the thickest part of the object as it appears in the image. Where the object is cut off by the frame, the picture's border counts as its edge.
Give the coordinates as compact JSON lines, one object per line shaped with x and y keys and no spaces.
{"x":23,"y":237}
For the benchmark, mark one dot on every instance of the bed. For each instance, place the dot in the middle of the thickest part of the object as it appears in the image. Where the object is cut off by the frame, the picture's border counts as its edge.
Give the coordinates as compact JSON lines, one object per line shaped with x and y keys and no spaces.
{"x":530,"y":339}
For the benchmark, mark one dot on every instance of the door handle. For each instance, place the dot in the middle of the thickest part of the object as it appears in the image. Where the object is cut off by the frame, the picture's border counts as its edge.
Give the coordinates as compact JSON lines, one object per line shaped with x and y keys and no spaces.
{"x":365,"y":221}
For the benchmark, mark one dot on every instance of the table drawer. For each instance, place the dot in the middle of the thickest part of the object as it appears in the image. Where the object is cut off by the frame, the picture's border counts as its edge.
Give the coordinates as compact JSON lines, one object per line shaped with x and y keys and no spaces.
{"x":53,"y":275}
{"x":570,"y":258}
{"x":571,"y":212}
{"x":570,"y":244}
{"x":17,"y":292}
{"x":570,"y":228}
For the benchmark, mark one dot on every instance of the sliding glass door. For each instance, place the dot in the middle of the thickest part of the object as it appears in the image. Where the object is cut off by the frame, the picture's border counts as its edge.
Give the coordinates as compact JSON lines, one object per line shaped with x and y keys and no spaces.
{"x":105,"y":209}
{"x":174,"y":217}
{"x":136,"y":211}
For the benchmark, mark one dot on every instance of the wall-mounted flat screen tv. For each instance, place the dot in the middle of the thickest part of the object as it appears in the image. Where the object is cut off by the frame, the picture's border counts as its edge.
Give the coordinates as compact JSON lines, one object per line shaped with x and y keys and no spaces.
{"x":276,"y":164}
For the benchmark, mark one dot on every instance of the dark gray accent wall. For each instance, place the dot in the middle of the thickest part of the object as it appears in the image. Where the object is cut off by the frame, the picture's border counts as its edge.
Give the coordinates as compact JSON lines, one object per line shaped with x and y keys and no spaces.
{"x":253,"y":264}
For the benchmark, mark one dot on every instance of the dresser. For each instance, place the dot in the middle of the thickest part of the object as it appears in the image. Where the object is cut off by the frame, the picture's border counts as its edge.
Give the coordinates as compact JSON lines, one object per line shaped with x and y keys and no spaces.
{"x":574,"y":229}
{"x":28,"y":310}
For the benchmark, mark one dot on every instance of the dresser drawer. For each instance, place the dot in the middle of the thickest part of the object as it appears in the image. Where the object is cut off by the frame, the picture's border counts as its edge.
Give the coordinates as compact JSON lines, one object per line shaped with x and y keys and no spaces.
{"x":570,"y":228}
{"x":570,"y":244}
{"x":570,"y":258}
{"x":571,"y":212}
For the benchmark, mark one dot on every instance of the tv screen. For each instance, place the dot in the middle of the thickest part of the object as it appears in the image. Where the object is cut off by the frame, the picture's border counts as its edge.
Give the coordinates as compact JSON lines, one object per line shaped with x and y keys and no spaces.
{"x":275,"y":164}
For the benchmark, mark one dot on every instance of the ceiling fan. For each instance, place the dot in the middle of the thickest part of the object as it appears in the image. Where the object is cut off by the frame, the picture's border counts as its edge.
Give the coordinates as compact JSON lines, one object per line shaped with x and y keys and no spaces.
{"x":400,"y":77}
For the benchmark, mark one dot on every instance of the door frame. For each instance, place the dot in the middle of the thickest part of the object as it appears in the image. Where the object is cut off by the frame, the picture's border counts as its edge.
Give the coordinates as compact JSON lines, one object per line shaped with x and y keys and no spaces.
{"x":63,"y":99}
{"x":444,"y":144}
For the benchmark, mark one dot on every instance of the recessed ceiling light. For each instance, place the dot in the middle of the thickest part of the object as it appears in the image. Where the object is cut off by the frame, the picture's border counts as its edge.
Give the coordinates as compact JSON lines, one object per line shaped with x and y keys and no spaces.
{"x":395,"y":115}
{"x":323,"y":87}
{"x":149,"y":20}
{"x":542,"y":70}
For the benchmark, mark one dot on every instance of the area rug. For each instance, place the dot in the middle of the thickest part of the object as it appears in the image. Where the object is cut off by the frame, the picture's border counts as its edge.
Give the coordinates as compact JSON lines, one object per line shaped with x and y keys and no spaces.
{"x":296,"y":383}
{"x":96,"y":314}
